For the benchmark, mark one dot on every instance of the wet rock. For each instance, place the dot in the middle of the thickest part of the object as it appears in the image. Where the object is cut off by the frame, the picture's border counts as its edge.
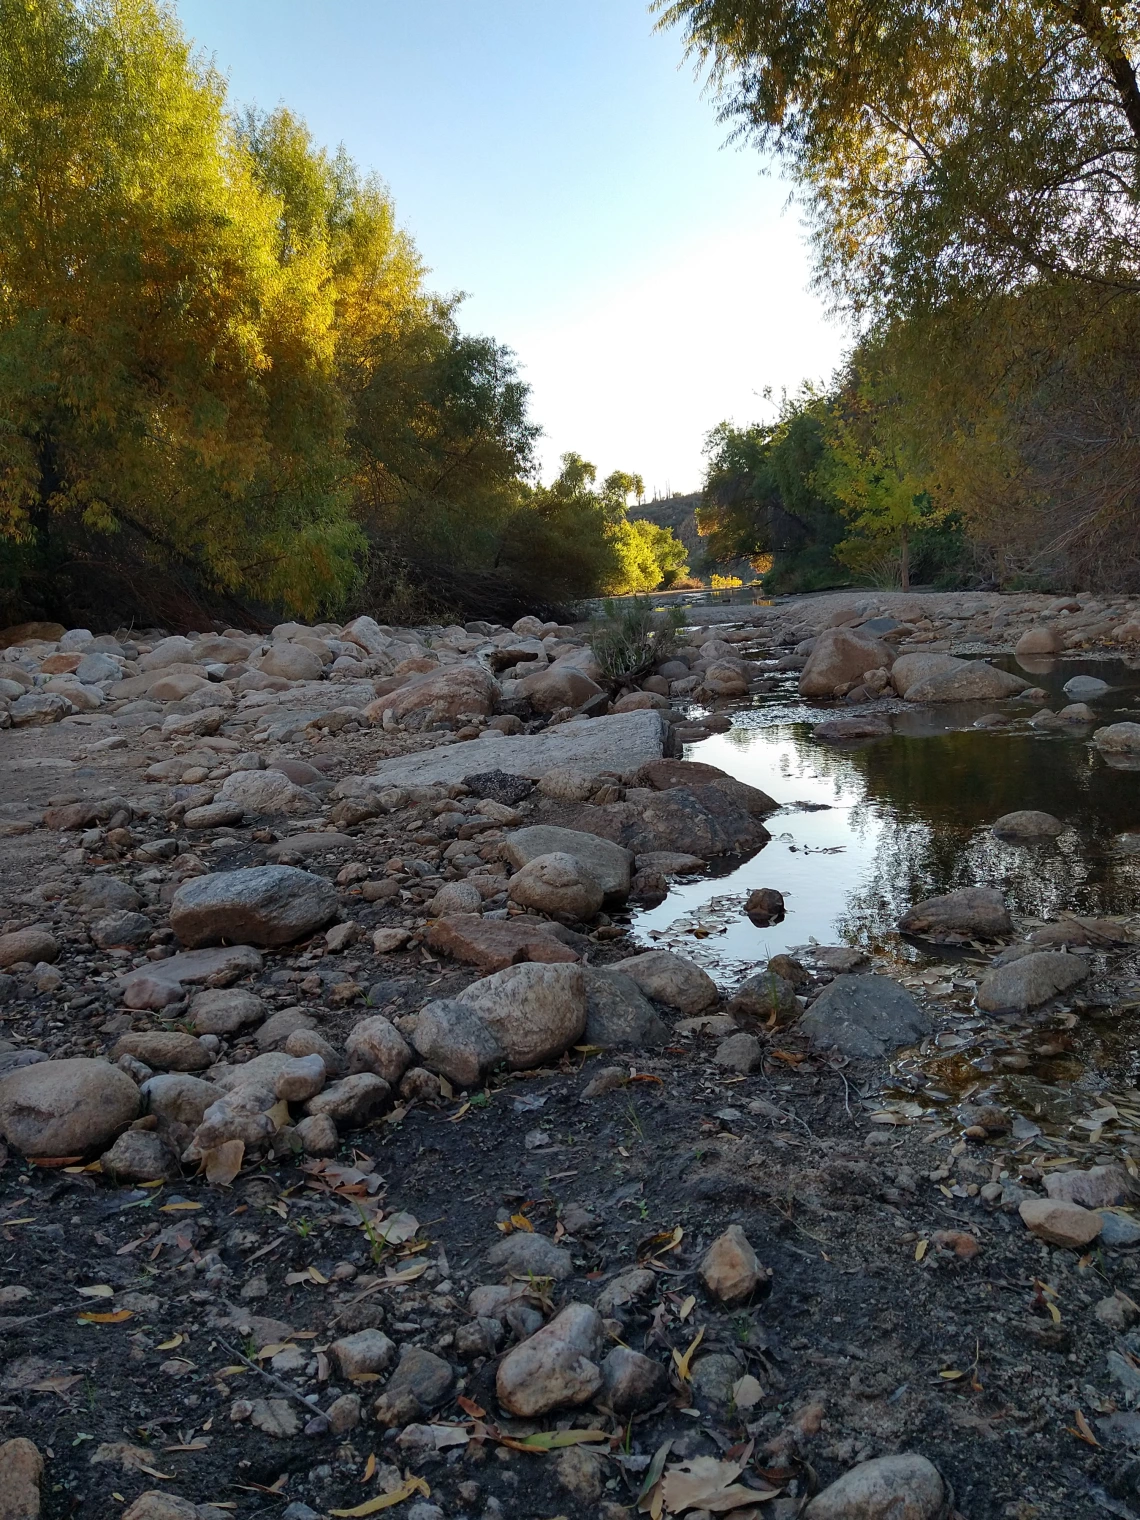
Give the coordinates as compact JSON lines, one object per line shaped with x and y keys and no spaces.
{"x":526,"y":1254}
{"x":902,"y":1487}
{"x":1059,"y":1222}
{"x":1118,"y":739}
{"x":671,"y":979}
{"x":846,"y":730}
{"x":965,"y":681}
{"x":973,"y":912}
{"x":65,"y":1108}
{"x":607,"y":863}
{"x":730,"y":1268}
{"x":864,"y":1017}
{"x":557,"y":883}
{"x":451,"y":1038}
{"x":27,"y":945}
{"x":164,"y":1050}
{"x":740,"y":1052}
{"x":765,"y":996}
{"x":765,"y":906}
{"x":260,"y":905}
{"x":1027,"y":825}
{"x":424,"y":1376}
{"x":1030,"y":981}
{"x":138,"y":1155}
{"x":178,"y":1098}
{"x":352,"y":1101}
{"x":493,"y":944}
{"x":556,"y":1368}
{"x":534,"y":1011}
{"x":267,"y":792}
{"x":1085,"y":688}
{"x":1100,"y":1187}
{"x":21,"y":1469}
{"x":618,"y":1015}
{"x":366,"y":1351}
{"x":225,"y":1010}
{"x":375,"y":1044}
{"x":841,"y":656}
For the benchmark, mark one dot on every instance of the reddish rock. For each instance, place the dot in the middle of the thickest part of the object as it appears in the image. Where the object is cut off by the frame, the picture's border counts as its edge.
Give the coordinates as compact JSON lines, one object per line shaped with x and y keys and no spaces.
{"x":493,"y":944}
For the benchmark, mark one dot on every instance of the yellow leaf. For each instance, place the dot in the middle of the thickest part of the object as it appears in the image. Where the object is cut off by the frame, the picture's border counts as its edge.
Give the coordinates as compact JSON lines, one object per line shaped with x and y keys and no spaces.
{"x":445,"y":1088}
{"x":521,"y":1222}
{"x":317,"y":1277}
{"x":108,"y":1319}
{"x":179,"y":1208}
{"x":682,"y":1362}
{"x":223,"y":1162}
{"x":274,"y":1349}
{"x":920,"y":1249}
{"x":407,"y":1488}
{"x":459,"y":1112}
{"x":153,"y":1472}
{"x":369,"y":1468}
{"x":687,"y":1307}
{"x":1083,"y":1431}
{"x":1053,"y":1310}
{"x":951,"y":1377}
{"x":171,"y":1344}
{"x":408,"y":1274}
{"x":98,"y":1290}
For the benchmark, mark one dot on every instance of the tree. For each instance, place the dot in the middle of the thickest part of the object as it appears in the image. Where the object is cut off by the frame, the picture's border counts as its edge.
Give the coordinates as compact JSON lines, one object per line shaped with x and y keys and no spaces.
{"x":943,"y":147}
{"x":167,"y":365}
{"x":647,"y":556}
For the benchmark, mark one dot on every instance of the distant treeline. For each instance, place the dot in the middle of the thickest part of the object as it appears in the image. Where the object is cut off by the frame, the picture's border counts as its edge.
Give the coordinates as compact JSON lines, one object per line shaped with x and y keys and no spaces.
{"x":223,"y":378}
{"x":970,"y":172}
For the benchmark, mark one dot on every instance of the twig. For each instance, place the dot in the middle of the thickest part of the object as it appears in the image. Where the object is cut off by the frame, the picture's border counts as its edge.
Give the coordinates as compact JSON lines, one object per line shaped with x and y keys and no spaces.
{"x":14,"y":1321}
{"x":271,"y":1377}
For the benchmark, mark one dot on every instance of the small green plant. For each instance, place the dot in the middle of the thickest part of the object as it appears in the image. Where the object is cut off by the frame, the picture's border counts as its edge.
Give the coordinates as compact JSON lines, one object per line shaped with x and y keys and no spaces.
{"x":633,"y":1118}
{"x":643,"y":1209}
{"x":250,"y":1348}
{"x":303,"y":1227}
{"x":633,"y":637}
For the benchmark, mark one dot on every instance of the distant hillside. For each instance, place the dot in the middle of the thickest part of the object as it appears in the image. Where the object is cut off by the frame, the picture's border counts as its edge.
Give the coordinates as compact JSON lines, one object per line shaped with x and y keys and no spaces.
{"x":678,"y":513}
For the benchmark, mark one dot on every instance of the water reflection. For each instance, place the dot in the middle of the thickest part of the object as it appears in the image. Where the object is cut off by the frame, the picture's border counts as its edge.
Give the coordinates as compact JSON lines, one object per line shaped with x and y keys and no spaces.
{"x":908,"y":817}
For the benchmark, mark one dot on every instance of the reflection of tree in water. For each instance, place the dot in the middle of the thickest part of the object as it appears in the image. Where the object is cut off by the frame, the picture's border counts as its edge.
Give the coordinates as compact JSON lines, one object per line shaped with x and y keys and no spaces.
{"x":939,"y":795}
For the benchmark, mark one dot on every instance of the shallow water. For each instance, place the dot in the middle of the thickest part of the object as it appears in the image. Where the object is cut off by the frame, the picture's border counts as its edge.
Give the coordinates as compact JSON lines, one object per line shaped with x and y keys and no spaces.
{"x":907,"y":817}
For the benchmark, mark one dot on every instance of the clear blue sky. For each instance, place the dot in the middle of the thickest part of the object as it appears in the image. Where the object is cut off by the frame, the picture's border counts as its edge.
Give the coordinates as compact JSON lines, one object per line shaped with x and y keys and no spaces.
{"x":560,"y":164}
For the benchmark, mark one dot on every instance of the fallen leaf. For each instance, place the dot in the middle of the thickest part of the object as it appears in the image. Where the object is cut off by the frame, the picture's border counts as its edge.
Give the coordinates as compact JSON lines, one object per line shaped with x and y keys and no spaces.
{"x":58,"y":1385}
{"x":172,"y":1344}
{"x":1083,"y":1432}
{"x":408,"y":1274}
{"x":458,"y":1114}
{"x":552,"y":1440}
{"x":682,"y":1362}
{"x":407,"y":1488}
{"x":708,"y":1483}
{"x":369,"y":1468}
{"x":470,"y":1407}
{"x":687,"y":1307}
{"x":920,"y":1249}
{"x":97,"y":1290}
{"x":521,"y":1222}
{"x":182,"y":1207}
{"x":53,"y":1161}
{"x":952,"y":1377}
{"x":222,"y":1163}
{"x":116,"y":1318}
{"x":397,"y":1229}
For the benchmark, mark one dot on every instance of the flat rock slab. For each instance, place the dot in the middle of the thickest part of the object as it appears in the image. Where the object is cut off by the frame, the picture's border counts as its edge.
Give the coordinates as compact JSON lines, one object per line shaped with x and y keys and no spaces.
{"x":864,"y":1017}
{"x":493,"y":944}
{"x":215,"y":967}
{"x":620,"y":742}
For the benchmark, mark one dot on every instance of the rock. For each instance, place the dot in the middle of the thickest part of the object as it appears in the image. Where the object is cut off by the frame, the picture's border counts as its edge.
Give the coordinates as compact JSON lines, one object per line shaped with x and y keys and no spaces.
{"x":666,"y":775}
{"x":864,"y":1017}
{"x":607,"y":863}
{"x":375,"y":1044}
{"x":366,"y":1351}
{"x":1086,"y":688}
{"x":1100,"y":1187}
{"x":29,"y":633}
{"x":442,"y":695}
{"x":1042,"y":640}
{"x":280,"y":1025}
{"x":318,"y":1135}
{"x":352,"y":1101}
{"x":121,"y":930}
{"x":260,"y":905}
{"x":104,"y":894}
{"x":534,"y":1011}
{"x":730,"y":1269}
{"x":714,"y":1377}
{"x":765,"y":906}
{"x":492,"y":944}
{"x":423,"y":1375}
{"x":1030,"y":981}
{"x":216,"y":967}
{"x":1027,"y":825}
{"x":582,"y":1474}
{"x":179,"y":1098}
{"x":669,"y":863}
{"x":388,"y":941}
{"x":902,"y":1487}
{"x":618,"y":1015}
{"x":300,"y":1079}
{"x":343,"y":1415}
{"x":965,"y":681}
{"x":37,"y":709}
{"x":65,"y":1108}
{"x":618,"y":743}
{"x":841,"y":656}
{"x":1118,"y":739}
{"x":33,"y":945}
{"x":1077,"y":712}
{"x":292,"y":662}
{"x":1059,"y":1222}
{"x":154,"y":1505}
{"x":766,"y":996}
{"x":526,"y":1254}
{"x":164,"y":1050}
{"x":972,"y":912}
{"x":567,"y":783}
{"x":740,"y":1052}
{"x":267,"y":792}
{"x":624,"y":1289}
{"x":138,"y":1155}
{"x":225,"y":1010}
{"x":846,"y":730}
{"x":671,"y":979}
{"x":450,"y":1038}
{"x":557,"y":883}
{"x":556,"y":1367}
{"x":558,"y":686}
{"x":21,"y":1468}
{"x":456,"y":897}
{"x":1118,"y":1231}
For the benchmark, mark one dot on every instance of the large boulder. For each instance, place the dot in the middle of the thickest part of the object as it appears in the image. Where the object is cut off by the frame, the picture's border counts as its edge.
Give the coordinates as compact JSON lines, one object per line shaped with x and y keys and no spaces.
{"x":1118,"y":739}
{"x":558,"y":884}
{"x":558,"y":686}
{"x":698,"y":820}
{"x":619,"y":1015}
{"x":966,"y":681}
{"x":292,"y":662}
{"x":534,"y":1011}
{"x":65,"y":1108}
{"x":971,"y":913}
{"x":1043,"y":639}
{"x":260,"y":905}
{"x":663,"y":775}
{"x":607,"y":863}
{"x":910,"y":669}
{"x":269,"y":792}
{"x":1030,"y":981}
{"x":841,"y":656}
{"x":864,"y":1017}
{"x":452,"y":1039}
{"x":670,"y":979}
{"x":443,"y":695}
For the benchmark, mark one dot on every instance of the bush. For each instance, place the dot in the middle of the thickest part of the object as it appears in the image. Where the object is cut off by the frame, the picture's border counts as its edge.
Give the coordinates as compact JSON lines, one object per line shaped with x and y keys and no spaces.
{"x":633,"y":637}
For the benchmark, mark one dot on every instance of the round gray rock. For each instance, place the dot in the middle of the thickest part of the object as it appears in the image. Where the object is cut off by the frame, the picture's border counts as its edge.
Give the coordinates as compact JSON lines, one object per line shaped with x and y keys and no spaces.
{"x":864,"y":1017}
{"x":261,"y":905}
{"x":1027,"y":825}
{"x":557,"y":883}
{"x":902,"y":1487}
{"x":65,"y":1108}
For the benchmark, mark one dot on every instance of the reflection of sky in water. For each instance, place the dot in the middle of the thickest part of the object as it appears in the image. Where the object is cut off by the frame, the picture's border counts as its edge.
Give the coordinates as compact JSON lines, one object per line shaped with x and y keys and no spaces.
{"x":907,"y":818}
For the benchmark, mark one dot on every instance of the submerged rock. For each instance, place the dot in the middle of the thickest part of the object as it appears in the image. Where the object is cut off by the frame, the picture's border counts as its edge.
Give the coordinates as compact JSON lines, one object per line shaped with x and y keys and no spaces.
{"x":1030,"y":981}
{"x":971,"y":912}
{"x":1027,"y":825}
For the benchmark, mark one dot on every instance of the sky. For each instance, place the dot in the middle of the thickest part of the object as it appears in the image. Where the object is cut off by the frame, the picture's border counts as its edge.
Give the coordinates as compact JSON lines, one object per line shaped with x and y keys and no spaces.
{"x":562,"y":166}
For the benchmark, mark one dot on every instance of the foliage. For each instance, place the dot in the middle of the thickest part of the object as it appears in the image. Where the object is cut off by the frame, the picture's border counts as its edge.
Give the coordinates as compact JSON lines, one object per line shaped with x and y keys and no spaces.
{"x":648,"y":556}
{"x":633,"y":637}
{"x":725,"y":582}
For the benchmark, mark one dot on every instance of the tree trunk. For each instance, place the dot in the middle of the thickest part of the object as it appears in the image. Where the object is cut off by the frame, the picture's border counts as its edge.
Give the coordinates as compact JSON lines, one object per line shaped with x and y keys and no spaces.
{"x":905,"y":560}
